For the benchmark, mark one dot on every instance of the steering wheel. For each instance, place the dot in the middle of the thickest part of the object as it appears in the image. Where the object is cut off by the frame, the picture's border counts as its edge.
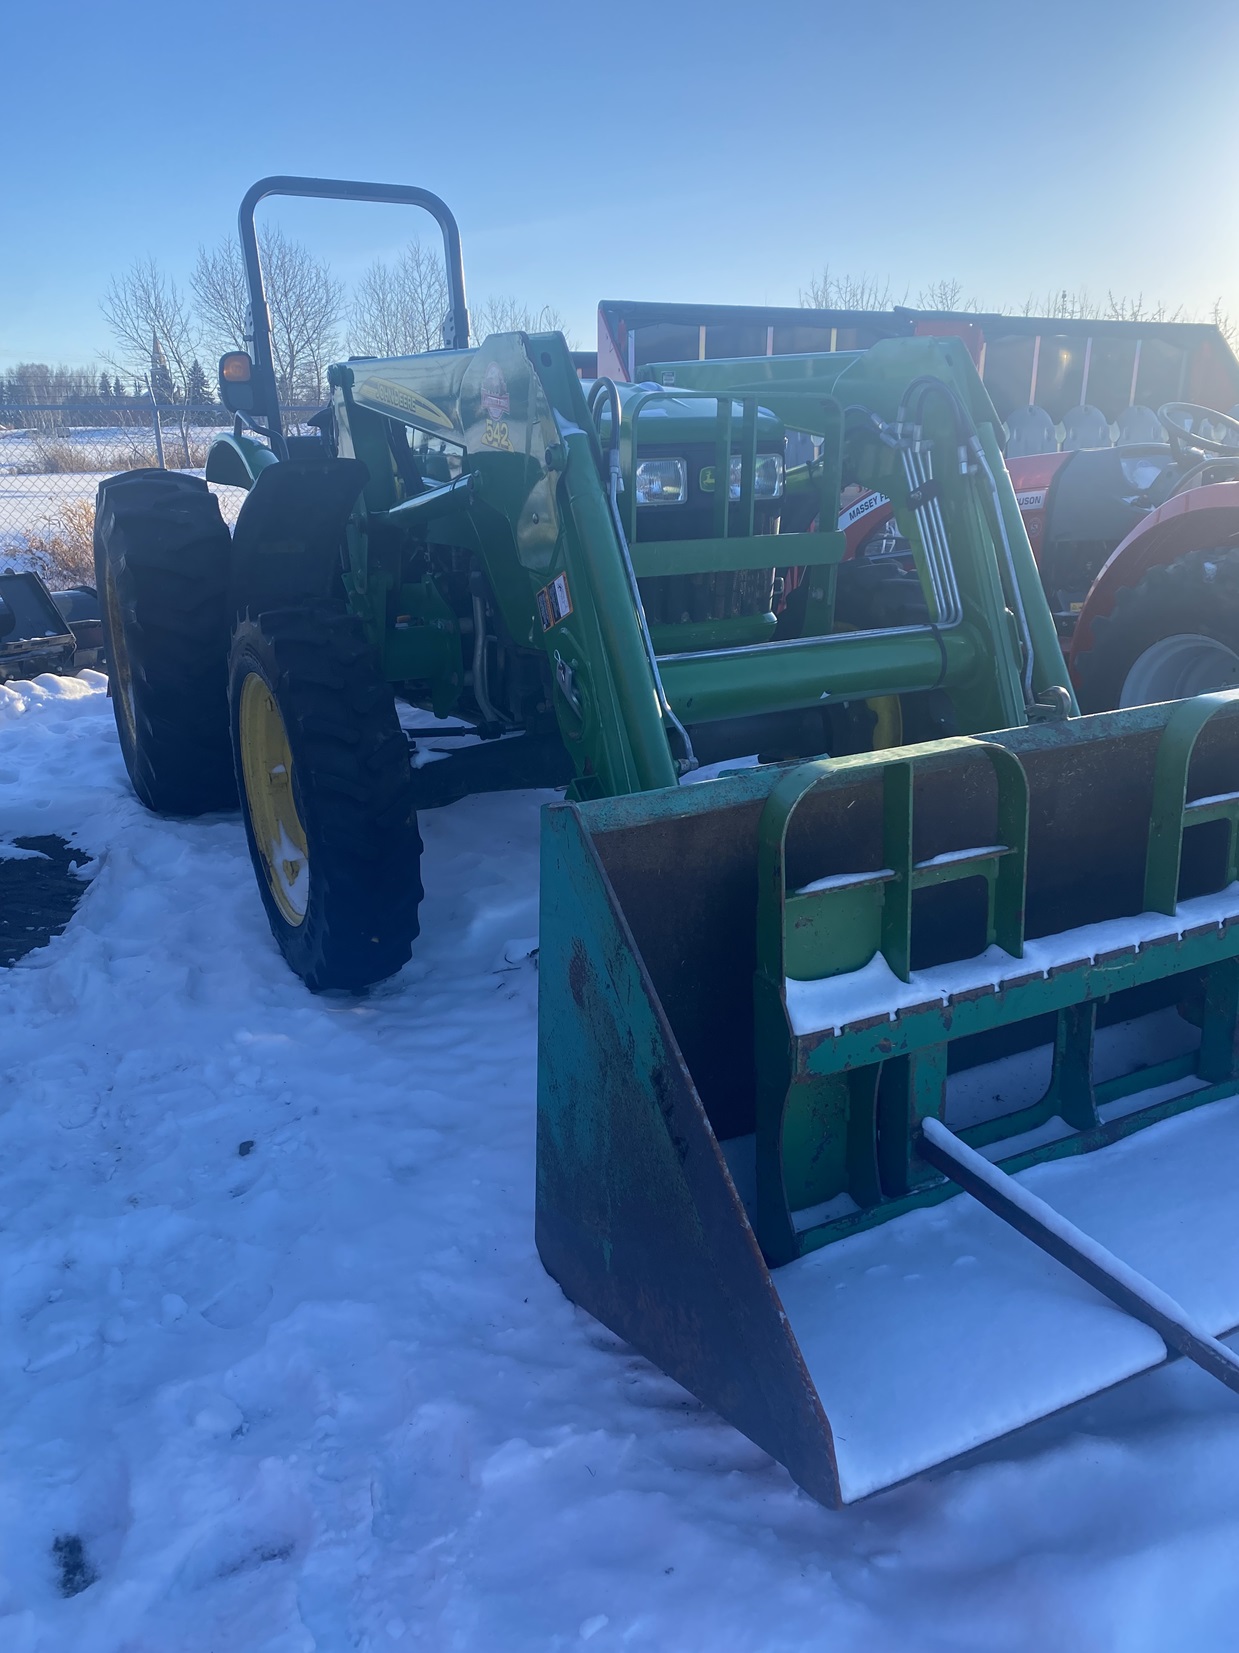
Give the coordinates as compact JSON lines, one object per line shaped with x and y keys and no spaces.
{"x":1180,"y":417}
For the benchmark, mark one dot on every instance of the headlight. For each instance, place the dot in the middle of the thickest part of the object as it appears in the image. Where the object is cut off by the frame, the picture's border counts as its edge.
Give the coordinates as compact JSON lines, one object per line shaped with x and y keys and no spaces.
{"x":662,"y":482}
{"x":767,"y":478}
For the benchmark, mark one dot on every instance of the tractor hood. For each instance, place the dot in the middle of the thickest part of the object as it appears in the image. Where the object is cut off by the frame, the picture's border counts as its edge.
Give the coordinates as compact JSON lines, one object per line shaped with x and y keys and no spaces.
{"x":425,"y":392}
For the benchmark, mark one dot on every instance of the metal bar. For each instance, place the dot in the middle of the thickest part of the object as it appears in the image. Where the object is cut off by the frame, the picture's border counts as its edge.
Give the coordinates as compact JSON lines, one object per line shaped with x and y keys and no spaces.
{"x":1022,"y":999}
{"x":1142,"y":1079}
{"x":1135,"y":374}
{"x":159,"y":456}
{"x":339,"y":189}
{"x":1170,"y":811}
{"x":1049,"y":667}
{"x":1217,"y":1060}
{"x":722,"y":466}
{"x":628,"y":663}
{"x":1070,"y":1146}
{"x":652,"y":558}
{"x":897,"y":810}
{"x":748,"y":464}
{"x":1032,"y":388}
{"x":1088,"y":362}
{"x":1074,"y":1249}
{"x":1072,"y":1091}
{"x":452,"y":496}
{"x":781,"y":676}
{"x":1069,"y":1095}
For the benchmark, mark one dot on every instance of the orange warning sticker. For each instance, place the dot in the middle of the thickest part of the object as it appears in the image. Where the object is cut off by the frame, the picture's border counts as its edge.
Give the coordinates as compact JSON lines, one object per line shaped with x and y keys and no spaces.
{"x":554,"y":602}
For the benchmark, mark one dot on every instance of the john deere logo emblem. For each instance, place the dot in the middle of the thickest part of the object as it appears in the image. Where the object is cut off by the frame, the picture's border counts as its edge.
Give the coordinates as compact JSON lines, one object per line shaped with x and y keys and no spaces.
{"x":495,"y":397}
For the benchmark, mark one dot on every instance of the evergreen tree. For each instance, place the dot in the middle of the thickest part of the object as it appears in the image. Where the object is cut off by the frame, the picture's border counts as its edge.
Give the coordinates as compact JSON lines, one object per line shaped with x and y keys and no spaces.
{"x":105,"y":388}
{"x":162,"y":387}
{"x":118,"y":389}
{"x":198,"y":388}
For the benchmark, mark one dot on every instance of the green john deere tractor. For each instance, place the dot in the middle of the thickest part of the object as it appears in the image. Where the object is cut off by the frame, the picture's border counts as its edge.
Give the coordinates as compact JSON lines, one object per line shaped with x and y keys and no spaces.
{"x":778,"y":1011}
{"x":598,"y":567}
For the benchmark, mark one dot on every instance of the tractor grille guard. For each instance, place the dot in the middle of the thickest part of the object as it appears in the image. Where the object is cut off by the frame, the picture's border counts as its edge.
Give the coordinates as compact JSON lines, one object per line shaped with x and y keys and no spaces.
{"x":729,"y":551}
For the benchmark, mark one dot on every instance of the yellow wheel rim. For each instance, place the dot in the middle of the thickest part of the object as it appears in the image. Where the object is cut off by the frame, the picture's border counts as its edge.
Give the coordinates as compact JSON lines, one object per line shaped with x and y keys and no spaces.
{"x":888,"y":725}
{"x":267,"y":772}
{"x":120,"y":668}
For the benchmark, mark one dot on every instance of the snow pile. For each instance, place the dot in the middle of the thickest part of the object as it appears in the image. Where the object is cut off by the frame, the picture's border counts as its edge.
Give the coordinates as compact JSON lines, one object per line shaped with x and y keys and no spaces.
{"x":280,"y":1370}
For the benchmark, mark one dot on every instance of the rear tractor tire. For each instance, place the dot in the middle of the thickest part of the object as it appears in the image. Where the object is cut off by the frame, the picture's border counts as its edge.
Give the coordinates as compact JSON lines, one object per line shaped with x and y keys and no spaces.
{"x":162,"y":556}
{"x":322,"y":767}
{"x":1173,"y":634}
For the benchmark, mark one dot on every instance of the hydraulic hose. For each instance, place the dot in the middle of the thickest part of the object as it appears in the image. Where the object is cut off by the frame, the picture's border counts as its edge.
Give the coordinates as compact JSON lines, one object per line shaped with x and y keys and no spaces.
{"x":972,"y":457}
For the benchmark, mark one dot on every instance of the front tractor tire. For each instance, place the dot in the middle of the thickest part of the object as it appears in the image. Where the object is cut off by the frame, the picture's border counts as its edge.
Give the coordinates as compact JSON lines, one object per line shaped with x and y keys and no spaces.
{"x":162,"y":555}
{"x":326,"y":787}
{"x":1173,"y":634}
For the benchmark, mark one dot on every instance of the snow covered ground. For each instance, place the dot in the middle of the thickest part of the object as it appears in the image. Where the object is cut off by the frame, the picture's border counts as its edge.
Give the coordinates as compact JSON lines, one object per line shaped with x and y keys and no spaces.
{"x":278,"y":1354}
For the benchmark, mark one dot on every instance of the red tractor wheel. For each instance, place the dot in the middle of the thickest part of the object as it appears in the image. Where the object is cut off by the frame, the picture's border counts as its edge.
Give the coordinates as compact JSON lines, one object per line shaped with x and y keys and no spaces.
{"x":1174,"y":634}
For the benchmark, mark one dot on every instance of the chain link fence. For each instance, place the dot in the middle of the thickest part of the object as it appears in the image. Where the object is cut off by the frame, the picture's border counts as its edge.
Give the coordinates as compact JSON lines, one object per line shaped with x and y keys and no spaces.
{"x":52,"y":460}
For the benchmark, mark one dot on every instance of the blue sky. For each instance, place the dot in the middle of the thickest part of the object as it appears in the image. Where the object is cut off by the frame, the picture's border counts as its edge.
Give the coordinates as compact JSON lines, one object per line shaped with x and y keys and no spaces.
{"x":720,"y":151}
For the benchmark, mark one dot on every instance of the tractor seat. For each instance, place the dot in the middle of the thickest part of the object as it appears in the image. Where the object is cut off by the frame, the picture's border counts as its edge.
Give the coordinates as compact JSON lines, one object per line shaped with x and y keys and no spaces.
{"x":1030,"y":430}
{"x":1139,"y":424}
{"x":1085,"y":427}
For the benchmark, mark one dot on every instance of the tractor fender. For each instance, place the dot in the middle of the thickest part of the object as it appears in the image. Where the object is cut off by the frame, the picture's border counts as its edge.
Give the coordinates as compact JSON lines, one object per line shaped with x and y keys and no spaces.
{"x":1193,"y":521}
{"x":236,"y":461}
{"x":859,"y":519}
{"x":287,"y":546}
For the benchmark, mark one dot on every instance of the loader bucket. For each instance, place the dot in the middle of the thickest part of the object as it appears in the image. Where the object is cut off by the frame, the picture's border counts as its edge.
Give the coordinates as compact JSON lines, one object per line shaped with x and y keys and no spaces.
{"x":787,"y":1014}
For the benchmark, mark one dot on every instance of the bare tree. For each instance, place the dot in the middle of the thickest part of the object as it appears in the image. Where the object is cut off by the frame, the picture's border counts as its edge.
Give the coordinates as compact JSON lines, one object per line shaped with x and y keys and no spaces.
{"x":1077,"y":304}
{"x":221,"y":296}
{"x":304,"y":300}
{"x":1221,"y":320}
{"x":152,"y":321}
{"x":500,"y":314}
{"x":399,"y":309}
{"x":144,"y":305}
{"x":305,"y":320}
{"x":847,"y":292}
{"x":945,"y":295}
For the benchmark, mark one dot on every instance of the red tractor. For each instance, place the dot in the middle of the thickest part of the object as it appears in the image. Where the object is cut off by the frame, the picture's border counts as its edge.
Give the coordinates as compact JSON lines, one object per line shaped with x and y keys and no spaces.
{"x":1138,"y":548}
{"x":1133,"y":515}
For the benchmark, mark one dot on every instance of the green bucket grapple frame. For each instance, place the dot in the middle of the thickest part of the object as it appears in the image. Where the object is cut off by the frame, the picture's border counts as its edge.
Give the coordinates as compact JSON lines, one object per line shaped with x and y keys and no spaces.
{"x":786,"y":1012}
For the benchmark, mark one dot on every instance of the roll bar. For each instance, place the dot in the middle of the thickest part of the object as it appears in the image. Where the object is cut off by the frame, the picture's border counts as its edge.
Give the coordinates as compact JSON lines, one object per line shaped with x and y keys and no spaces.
{"x":456,"y":327}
